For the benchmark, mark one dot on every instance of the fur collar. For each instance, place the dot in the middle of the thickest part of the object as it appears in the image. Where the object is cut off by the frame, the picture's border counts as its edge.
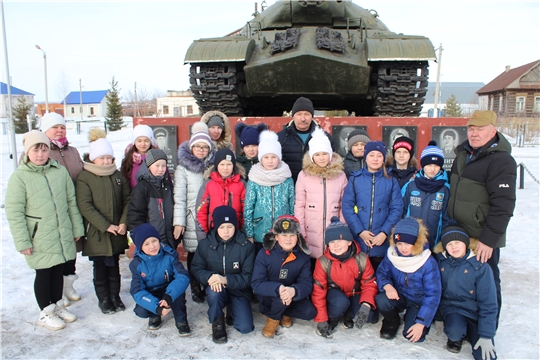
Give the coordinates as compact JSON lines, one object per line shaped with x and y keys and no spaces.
{"x":332,"y":171}
{"x":421,"y":242}
{"x":269,"y":242}
{"x":191,"y":162}
{"x":225,"y":139}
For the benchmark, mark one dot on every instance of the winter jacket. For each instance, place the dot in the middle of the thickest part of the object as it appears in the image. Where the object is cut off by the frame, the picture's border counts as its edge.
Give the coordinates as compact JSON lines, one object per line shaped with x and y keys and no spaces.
{"x":216,"y":191}
{"x":416,"y":277}
{"x":42,"y":213}
{"x":344,"y":275}
{"x":152,"y":202}
{"x":188,"y":179}
{"x":103,"y":195}
{"x":468,"y":289}
{"x":372,"y":202}
{"x":352,"y":163}
{"x":154,"y":273}
{"x":292,"y":147}
{"x":427,"y":199}
{"x":233,"y":259}
{"x":275,"y":267}
{"x":483,"y":190}
{"x":403,"y":176}
{"x":318,"y":197}
{"x":246,"y":164}
{"x":264,"y":204}
{"x":224,"y":141}
{"x":68,"y":157}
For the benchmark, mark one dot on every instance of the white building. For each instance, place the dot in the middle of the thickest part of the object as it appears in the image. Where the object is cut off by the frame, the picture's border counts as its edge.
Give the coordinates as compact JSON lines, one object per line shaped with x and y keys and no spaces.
{"x":86,"y":105}
{"x":177,"y":104}
{"x":16,"y":94}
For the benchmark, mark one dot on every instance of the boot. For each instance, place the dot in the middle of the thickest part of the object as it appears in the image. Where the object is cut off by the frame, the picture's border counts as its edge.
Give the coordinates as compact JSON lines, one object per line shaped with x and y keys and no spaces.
{"x":69,"y":291}
{"x":106,"y":306}
{"x":228,"y":317}
{"x":117,"y":303}
{"x":219,"y":334}
{"x":270,"y":328}
{"x":63,"y":313}
{"x":49,"y":319}
{"x":454,"y":346}
{"x":333,"y":323}
{"x":197,"y":294}
{"x":114,"y":288}
{"x":103,"y":295}
{"x":154,"y":322}
{"x":66,"y":301}
{"x":348,"y":322}
{"x":390,"y":324}
{"x":286,"y":321}
{"x":183,"y":328}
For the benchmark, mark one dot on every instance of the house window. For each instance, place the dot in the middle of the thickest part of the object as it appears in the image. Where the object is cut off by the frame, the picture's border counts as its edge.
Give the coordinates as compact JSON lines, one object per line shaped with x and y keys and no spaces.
{"x":537,"y":104}
{"x":165,"y":110}
{"x":91,"y":111}
{"x":189,"y":109}
{"x":177,"y":111}
{"x":73,"y":110}
{"x":520,"y":103}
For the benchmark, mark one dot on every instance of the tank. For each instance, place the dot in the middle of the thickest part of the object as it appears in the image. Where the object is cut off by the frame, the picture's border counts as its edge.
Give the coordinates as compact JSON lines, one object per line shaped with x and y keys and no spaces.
{"x":336,"y":53}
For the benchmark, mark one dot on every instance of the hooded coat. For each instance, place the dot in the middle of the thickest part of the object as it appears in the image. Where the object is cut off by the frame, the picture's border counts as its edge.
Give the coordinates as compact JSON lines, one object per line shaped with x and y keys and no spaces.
{"x":103,"y":195}
{"x":416,"y":277}
{"x":468,"y":289}
{"x":42,"y":213}
{"x":318,"y":197}
{"x":188,"y":179}
{"x":403,"y":176}
{"x":224,"y":141}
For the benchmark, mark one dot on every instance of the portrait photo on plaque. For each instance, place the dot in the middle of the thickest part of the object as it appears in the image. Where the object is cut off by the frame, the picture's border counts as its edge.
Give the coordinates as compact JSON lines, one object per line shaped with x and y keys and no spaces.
{"x":165,"y":138}
{"x":447,"y":138}
{"x":340,"y":134}
{"x":391,"y":133}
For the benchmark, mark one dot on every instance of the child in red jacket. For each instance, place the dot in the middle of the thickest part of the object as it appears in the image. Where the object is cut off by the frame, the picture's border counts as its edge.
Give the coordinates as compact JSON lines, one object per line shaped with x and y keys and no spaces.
{"x":344,"y":282}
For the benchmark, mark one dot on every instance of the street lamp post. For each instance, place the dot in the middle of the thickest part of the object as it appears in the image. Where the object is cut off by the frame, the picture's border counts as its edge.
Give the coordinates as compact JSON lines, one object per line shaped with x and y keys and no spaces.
{"x":46,"y":87}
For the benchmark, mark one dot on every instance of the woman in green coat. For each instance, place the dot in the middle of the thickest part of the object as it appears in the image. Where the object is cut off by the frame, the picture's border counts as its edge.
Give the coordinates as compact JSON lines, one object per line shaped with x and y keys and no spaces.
{"x":45,"y":223}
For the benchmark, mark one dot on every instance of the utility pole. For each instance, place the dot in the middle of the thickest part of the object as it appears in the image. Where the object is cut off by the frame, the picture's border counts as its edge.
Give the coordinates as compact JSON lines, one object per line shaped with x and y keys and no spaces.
{"x":437,"y":86}
{"x":80,"y":97}
{"x":136,"y":104}
{"x":46,"y":87}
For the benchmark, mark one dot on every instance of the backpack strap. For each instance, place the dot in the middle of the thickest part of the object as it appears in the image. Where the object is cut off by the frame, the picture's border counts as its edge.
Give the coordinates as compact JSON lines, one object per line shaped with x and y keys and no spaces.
{"x":360,"y":260}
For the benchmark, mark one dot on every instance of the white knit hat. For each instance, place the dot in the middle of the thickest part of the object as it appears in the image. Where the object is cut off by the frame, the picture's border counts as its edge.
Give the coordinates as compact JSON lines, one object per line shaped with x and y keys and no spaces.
{"x":51,"y":119}
{"x":142,"y":130}
{"x":33,"y":138}
{"x":319,"y":143}
{"x":269,"y":144}
{"x":99,"y":145}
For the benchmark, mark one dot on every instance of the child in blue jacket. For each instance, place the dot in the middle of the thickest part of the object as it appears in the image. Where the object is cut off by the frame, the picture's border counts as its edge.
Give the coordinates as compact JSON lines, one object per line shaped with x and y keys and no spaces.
{"x":408,"y":279}
{"x":159,"y":280}
{"x":469,"y":299}
{"x":426,"y":196}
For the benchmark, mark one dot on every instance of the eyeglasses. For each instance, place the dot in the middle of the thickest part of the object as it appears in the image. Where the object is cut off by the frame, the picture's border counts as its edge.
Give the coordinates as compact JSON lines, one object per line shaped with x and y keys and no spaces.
{"x":201,"y":148}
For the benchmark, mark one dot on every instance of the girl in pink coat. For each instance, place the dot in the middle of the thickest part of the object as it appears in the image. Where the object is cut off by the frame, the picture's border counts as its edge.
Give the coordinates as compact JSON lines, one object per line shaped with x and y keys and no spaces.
{"x":319,"y":190}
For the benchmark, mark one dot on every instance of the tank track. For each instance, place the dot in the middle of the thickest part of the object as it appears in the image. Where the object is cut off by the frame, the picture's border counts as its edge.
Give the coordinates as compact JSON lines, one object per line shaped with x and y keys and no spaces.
{"x":401,"y":88}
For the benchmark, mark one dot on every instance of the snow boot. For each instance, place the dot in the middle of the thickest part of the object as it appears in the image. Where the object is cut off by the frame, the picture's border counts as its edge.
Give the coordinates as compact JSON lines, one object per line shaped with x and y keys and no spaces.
{"x":219,"y":333}
{"x":69,"y":291}
{"x":103,"y":294}
{"x":286,"y":321}
{"x":390,"y":324}
{"x":114,"y":289}
{"x":154,"y":322}
{"x":197,"y":294}
{"x":66,"y":301}
{"x":333,"y":323}
{"x":270,"y":328}
{"x":348,"y":322}
{"x":49,"y":319}
{"x":63,"y":313}
{"x":454,"y":346}
{"x":183,"y":328}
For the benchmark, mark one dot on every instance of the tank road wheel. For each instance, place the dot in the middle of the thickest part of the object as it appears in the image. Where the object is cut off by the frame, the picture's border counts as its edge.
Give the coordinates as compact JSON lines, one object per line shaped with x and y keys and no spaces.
{"x":214,"y":87}
{"x":401,"y":88}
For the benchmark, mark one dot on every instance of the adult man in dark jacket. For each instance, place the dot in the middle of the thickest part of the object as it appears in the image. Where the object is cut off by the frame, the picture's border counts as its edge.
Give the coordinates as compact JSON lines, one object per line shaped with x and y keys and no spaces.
{"x":483,"y":189}
{"x":296,"y":135}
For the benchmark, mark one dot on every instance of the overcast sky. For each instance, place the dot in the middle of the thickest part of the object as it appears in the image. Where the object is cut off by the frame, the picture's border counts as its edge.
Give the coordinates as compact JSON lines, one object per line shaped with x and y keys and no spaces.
{"x":145,"y":42}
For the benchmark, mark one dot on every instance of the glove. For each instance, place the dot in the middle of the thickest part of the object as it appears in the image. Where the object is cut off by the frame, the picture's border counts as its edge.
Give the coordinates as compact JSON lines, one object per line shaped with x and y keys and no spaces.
{"x":362,"y":315}
{"x":439,"y":327}
{"x":487,"y":347}
{"x":323,"y":329}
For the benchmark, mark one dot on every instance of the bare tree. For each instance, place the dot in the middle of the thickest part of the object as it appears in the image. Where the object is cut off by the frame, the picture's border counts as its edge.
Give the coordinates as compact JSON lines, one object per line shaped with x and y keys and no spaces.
{"x":140,"y":101}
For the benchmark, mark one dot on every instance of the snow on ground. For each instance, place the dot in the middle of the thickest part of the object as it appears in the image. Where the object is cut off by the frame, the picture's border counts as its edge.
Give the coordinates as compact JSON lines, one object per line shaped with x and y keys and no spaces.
{"x":124,"y":335}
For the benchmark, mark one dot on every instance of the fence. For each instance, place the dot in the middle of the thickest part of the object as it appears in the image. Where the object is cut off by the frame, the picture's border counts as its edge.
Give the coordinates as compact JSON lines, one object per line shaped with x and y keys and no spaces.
{"x":525,"y":130}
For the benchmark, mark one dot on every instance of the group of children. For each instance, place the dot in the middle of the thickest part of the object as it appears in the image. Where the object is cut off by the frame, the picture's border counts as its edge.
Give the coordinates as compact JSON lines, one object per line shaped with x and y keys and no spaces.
{"x":350,"y":239}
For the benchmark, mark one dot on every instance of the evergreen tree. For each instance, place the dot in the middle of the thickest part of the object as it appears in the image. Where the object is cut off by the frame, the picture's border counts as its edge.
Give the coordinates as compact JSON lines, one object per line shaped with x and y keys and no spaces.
{"x":20,"y":112}
{"x":115,"y":113}
{"x":453,"y":109}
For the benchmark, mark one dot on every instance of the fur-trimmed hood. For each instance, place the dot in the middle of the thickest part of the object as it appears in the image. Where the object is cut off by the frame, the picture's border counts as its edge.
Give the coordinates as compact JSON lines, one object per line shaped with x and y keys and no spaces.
{"x":413,"y":162}
{"x":333,"y":170}
{"x":269,"y":242}
{"x":225,"y":139}
{"x":421,"y":243}
{"x":238,"y":169}
{"x":473,"y":244}
{"x":191,"y":162}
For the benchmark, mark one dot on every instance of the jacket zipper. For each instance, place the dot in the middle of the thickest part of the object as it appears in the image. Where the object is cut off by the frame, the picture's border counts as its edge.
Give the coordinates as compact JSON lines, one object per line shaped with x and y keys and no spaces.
{"x":272,"y":204}
{"x":372,"y":200}
{"x":224,"y":251}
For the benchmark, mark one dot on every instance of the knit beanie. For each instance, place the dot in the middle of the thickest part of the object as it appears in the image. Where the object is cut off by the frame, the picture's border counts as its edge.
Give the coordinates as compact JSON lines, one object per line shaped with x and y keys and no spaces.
{"x":216,"y":120}
{"x":286,"y":224}
{"x":454,"y":233}
{"x":142,"y":232}
{"x":34,"y":137}
{"x":319,"y":143}
{"x":375,"y":146}
{"x":224,"y":154}
{"x":142,"y":130}
{"x":337,"y":231}
{"x":99,"y":146}
{"x":224,"y":214}
{"x":406,"y":230}
{"x":51,"y":119}
{"x":154,"y":155}
{"x":302,"y":104}
{"x":432,"y":155}
{"x":199,"y":132}
{"x":403,"y":142}
{"x":269,"y":144}
{"x":355,"y":136}
{"x":249,"y":135}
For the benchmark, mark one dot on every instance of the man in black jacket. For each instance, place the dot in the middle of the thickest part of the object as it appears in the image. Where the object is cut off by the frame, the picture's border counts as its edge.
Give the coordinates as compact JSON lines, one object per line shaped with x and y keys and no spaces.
{"x":296,"y":135}
{"x":483,"y":189}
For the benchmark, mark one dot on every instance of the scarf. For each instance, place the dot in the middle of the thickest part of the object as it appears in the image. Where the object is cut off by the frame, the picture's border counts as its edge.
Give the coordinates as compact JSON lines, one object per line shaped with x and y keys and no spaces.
{"x":61,"y":143}
{"x":100,"y":170}
{"x":407,"y":264}
{"x":259,"y":175}
{"x":428,"y":185}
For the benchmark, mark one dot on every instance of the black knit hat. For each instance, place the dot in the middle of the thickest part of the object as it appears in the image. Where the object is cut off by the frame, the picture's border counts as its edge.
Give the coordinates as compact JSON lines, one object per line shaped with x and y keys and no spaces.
{"x":224,"y":154}
{"x":454,"y":233}
{"x":337,"y":231}
{"x":224,"y":214}
{"x":403,"y":142}
{"x":302,"y":104}
{"x":154,"y":155}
